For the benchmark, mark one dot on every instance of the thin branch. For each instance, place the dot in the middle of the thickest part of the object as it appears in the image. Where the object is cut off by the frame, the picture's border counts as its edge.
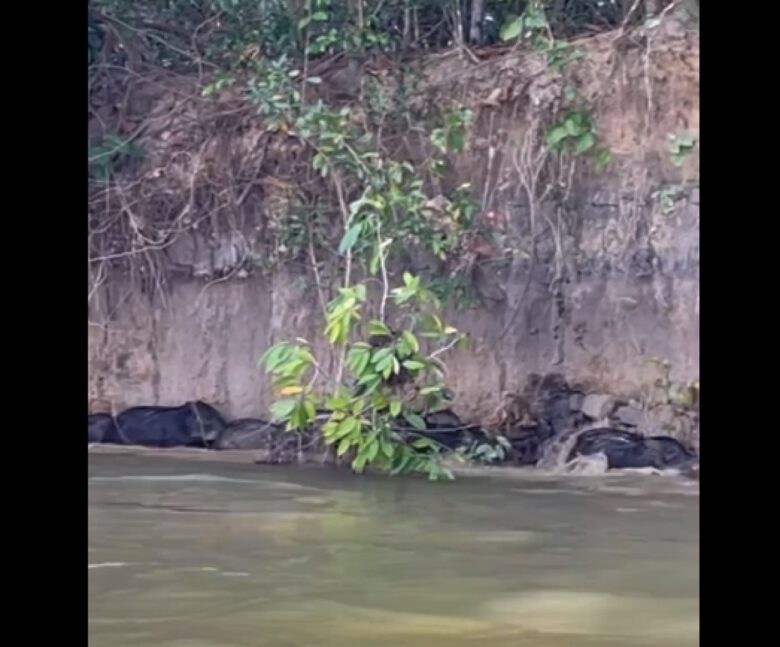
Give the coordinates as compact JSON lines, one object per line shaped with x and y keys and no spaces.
{"x":385,"y":282}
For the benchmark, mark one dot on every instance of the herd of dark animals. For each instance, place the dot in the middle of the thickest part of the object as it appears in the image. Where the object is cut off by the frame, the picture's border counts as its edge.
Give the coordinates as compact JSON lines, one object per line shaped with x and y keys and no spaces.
{"x":197,"y":424}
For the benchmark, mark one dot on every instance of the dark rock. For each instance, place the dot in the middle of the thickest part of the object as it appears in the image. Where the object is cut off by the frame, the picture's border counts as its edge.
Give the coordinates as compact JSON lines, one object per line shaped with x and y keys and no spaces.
{"x":628,"y":416}
{"x":576,"y":401}
{"x":549,"y":398}
{"x":643,"y":263}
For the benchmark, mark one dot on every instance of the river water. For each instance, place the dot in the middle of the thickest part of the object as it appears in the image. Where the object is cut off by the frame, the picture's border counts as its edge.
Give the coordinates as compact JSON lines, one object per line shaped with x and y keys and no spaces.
{"x":194,"y":554}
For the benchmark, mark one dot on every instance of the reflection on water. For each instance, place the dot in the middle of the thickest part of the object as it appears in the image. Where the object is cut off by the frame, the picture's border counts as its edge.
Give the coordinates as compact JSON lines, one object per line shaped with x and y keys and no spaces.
{"x":193,"y":555}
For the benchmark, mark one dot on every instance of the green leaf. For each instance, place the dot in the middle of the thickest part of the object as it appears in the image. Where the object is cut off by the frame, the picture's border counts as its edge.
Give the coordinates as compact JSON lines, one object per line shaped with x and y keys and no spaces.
{"x":556,"y":136}
{"x":281,"y":409}
{"x":275,"y":355}
{"x":319,"y":16}
{"x":373,"y":450}
{"x":385,"y":366}
{"x":455,"y":140}
{"x":381,"y":356}
{"x":358,"y":359}
{"x":402,"y":349}
{"x":413,"y":365}
{"x":395,"y":407}
{"x":359,"y":463}
{"x":403,"y":463}
{"x":350,"y":238}
{"x":423,"y":443}
{"x":368,"y":379}
{"x":584,"y":143}
{"x":573,"y":125}
{"x":685,"y":139}
{"x":373,"y":264}
{"x":329,"y":430}
{"x":318,"y":161}
{"x":299,"y":417}
{"x":411,"y":341}
{"x":603,"y":157}
{"x":337,"y":402}
{"x":396,"y":366}
{"x":378,"y":329}
{"x":402,"y":295}
{"x":346,"y":427}
{"x":334,"y":331}
{"x":512,"y":28}
{"x":388,"y":449}
{"x":415,"y":420}
{"x":344,"y":445}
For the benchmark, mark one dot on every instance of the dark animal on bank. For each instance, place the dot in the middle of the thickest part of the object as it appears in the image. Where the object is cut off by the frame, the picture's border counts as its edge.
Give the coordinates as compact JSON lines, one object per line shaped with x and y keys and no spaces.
{"x":194,"y":424}
{"x":625,"y":449}
{"x":446,"y":430}
{"x":99,"y":427}
{"x":442,"y":427}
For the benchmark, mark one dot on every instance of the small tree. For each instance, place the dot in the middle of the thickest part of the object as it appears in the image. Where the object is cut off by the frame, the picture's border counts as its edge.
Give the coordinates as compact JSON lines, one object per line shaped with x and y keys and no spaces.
{"x":384,"y":381}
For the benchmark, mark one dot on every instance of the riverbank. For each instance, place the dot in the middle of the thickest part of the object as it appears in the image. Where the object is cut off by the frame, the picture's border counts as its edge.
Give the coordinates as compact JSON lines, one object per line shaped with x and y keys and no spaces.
{"x":672,"y":478}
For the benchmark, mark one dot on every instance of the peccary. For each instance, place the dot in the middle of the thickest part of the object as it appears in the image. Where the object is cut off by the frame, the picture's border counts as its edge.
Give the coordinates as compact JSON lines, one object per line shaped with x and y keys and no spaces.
{"x":194,"y":424}
{"x":99,"y":427}
{"x":625,"y":449}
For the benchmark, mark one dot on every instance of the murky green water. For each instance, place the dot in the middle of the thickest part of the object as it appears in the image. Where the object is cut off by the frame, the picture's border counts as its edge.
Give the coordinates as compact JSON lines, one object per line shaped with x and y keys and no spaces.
{"x":193,"y":554}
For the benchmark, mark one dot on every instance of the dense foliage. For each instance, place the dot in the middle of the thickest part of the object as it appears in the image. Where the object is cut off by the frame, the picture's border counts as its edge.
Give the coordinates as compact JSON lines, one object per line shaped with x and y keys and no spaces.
{"x":231,"y":32}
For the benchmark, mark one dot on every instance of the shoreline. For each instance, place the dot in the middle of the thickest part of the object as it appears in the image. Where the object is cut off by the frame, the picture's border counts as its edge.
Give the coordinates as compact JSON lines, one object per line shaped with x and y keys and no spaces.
{"x":459,"y":470}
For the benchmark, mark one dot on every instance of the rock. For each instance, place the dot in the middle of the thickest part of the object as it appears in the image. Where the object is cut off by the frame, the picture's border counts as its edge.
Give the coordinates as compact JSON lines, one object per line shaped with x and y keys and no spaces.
{"x":598,"y":406}
{"x":628,"y":416}
{"x":550,"y":402}
{"x":575,"y":401}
